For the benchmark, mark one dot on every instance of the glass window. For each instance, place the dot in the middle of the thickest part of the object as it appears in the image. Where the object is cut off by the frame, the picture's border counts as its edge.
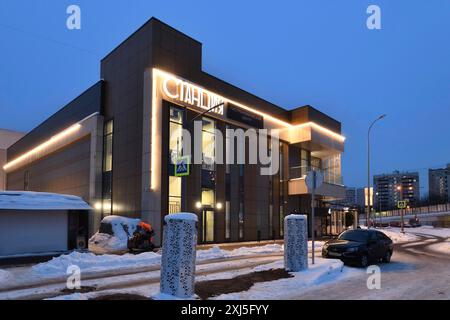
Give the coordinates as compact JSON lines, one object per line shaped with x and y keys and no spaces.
{"x":241,"y":220}
{"x":208,"y":144}
{"x":174,"y":194}
{"x":281,"y":221}
{"x":108,"y":137}
{"x":208,"y":197}
{"x":304,"y":161}
{"x":227,"y":220}
{"x":354,"y":235}
{"x":332,"y":169}
{"x":108,"y":146}
{"x":175,"y":134}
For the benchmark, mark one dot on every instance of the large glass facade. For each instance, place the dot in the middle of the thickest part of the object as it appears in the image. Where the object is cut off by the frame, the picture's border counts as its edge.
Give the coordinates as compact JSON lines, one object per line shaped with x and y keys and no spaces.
{"x":175,"y":133}
{"x":208,"y":144}
{"x":175,"y":190}
{"x":332,"y":169}
{"x":176,"y":119}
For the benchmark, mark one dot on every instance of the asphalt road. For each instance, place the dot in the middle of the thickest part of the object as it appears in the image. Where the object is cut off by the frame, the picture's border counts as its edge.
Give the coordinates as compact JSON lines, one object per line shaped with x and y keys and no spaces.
{"x":415,"y":272}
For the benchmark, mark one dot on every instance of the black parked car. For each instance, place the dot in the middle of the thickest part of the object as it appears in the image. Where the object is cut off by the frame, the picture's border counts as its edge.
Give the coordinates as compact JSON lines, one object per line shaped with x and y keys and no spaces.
{"x":359,"y":246}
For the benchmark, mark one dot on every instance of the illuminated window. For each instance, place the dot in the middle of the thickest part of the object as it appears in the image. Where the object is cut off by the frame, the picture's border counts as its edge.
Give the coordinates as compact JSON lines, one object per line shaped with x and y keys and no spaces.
{"x":108,"y":137}
{"x":208,"y":198}
{"x":208,"y":144}
{"x":174,"y":194}
{"x":175,"y":134}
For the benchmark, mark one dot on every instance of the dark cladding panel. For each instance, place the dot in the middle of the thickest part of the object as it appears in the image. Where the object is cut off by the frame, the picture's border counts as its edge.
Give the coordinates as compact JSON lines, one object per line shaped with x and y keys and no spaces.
{"x":84,"y":105}
{"x":237,"y":114}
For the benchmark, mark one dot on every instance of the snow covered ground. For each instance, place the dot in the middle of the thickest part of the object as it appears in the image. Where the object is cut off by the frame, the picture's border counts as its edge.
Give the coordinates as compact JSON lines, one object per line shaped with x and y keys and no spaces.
{"x":412,"y":234}
{"x":213,"y":264}
{"x":322,"y":272}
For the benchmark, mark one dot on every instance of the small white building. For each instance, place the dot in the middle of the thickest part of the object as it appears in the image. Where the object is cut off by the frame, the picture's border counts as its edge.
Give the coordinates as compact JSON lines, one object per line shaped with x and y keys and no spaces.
{"x":38,"y":223}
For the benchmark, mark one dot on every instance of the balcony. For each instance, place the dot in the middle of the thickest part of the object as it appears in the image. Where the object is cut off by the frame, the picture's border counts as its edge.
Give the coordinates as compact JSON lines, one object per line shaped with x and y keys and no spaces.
{"x":332,"y":186}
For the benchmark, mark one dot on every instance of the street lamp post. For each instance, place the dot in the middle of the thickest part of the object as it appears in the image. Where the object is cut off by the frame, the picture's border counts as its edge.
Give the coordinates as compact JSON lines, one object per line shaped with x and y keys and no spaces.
{"x":402,"y":213}
{"x":368,"y":168}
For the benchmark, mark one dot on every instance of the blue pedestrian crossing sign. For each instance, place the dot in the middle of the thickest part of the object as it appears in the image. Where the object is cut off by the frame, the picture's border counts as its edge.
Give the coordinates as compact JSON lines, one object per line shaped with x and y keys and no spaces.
{"x":182,"y":166}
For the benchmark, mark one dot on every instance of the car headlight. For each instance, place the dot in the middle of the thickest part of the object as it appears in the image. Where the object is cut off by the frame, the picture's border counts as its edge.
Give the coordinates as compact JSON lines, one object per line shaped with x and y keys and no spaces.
{"x":354,"y":249}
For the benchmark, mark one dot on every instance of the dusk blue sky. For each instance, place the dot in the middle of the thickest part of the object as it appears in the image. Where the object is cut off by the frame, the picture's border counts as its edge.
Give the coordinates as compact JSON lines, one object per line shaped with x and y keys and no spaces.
{"x":291,"y":53}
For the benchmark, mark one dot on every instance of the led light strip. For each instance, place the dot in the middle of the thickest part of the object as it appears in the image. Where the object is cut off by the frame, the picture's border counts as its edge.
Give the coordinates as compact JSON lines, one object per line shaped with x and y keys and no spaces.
{"x":262,"y":114}
{"x":44,"y":145}
{"x":54,"y":139}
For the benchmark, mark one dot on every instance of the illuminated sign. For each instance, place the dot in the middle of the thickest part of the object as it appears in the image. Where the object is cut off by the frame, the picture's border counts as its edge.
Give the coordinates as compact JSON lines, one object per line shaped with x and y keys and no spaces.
{"x":193,"y":95}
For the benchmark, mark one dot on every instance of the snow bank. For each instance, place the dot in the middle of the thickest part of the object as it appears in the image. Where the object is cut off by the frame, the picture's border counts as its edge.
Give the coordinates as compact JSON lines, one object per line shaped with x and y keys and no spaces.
{"x":323,"y":272}
{"x":89,"y":262}
{"x":5,"y":277}
{"x":217,"y":253}
{"x":398,"y":237}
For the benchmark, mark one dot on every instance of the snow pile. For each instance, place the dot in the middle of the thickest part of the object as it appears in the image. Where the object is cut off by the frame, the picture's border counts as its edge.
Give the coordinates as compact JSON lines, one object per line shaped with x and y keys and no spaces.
{"x":216,"y":253}
{"x":122,"y":228}
{"x":5,"y":277}
{"x":267,"y":249}
{"x":323,"y":272}
{"x":181,"y":216}
{"x":26,"y":200}
{"x":213,"y":253}
{"x":89,"y":262}
{"x":398,"y":237}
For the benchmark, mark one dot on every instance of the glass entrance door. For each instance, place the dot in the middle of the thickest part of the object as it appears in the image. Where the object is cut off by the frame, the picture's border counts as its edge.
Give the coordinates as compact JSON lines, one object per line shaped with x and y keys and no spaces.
{"x":207,"y":226}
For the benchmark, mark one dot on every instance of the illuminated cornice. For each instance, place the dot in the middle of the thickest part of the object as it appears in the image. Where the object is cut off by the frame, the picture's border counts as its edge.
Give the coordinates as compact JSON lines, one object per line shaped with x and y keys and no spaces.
{"x":72,"y":130}
{"x":284,"y":124}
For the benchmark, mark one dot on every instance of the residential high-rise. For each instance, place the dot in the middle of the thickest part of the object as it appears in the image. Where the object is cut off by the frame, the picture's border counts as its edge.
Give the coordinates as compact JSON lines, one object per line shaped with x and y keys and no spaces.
{"x":439,"y":184}
{"x":354,"y":197}
{"x":394,"y":187}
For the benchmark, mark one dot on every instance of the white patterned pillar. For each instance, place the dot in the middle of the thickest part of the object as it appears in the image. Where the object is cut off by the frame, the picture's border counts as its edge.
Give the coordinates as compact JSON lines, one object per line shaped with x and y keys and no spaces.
{"x":178,"y":255}
{"x":295,"y":243}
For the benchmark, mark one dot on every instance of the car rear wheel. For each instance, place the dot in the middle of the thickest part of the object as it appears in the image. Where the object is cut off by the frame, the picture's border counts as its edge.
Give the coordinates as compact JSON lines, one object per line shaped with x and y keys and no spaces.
{"x":364,"y":262}
{"x":387,"y":257}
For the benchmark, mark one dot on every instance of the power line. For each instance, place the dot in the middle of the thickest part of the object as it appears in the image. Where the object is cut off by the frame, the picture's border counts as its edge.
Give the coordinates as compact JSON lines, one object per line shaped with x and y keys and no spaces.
{"x":58,"y":42}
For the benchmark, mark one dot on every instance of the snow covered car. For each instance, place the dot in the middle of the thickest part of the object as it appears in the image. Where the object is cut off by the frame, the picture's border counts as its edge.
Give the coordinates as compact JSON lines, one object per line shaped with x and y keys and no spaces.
{"x":118,"y":235}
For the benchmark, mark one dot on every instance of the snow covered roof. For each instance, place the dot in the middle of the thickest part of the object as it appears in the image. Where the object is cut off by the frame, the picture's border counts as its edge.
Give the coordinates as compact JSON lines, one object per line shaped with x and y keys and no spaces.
{"x":24,"y":200}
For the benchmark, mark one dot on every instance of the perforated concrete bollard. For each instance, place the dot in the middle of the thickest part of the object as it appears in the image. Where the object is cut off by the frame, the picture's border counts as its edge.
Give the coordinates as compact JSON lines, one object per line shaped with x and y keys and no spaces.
{"x":178,"y":255}
{"x":295,"y":243}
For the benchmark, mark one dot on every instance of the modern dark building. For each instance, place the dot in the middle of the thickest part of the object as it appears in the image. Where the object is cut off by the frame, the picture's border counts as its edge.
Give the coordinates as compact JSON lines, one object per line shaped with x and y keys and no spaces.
{"x":116,"y":145}
{"x":394,"y":187}
{"x":439,"y":185}
{"x":7,"y":138}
